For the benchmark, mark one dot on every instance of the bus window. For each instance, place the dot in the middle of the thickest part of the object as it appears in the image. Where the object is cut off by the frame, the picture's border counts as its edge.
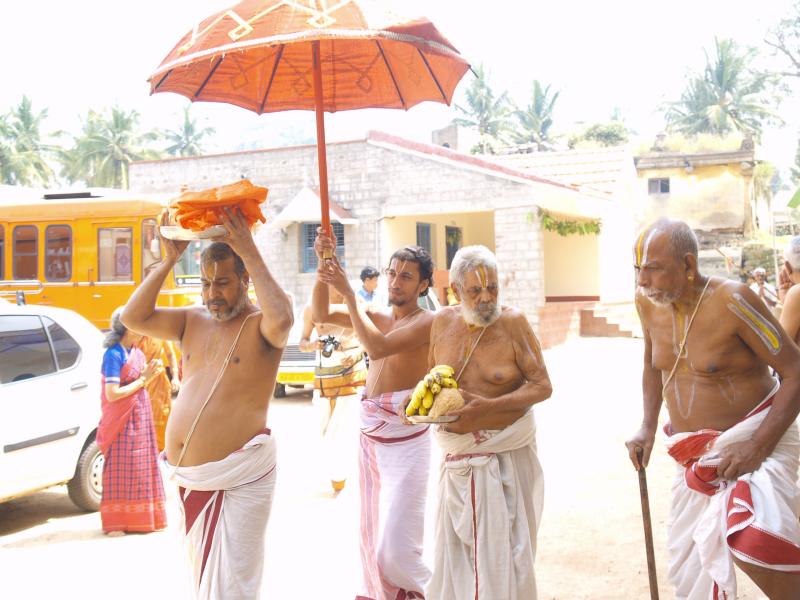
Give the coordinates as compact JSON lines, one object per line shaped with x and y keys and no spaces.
{"x":114,"y":254}
{"x":187,"y":269}
{"x":2,"y":253}
{"x":151,"y":249}
{"x":26,"y":252}
{"x":58,"y":252}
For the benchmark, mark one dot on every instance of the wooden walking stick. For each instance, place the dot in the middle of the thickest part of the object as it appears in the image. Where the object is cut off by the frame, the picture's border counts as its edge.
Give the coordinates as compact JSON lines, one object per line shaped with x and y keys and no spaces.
{"x":648,"y":529}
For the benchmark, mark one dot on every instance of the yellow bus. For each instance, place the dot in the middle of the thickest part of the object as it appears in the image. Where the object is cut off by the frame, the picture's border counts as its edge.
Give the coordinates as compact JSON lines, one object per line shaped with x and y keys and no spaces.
{"x":87,"y":251}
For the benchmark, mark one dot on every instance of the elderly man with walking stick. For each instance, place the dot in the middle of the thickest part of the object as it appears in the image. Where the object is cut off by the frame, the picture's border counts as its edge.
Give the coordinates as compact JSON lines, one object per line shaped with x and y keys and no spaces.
{"x":708,"y":346}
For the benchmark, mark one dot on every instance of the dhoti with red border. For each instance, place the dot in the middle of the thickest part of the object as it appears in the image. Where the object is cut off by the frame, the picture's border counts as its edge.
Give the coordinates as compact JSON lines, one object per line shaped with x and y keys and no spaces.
{"x":491,"y":494}
{"x":754,"y":518}
{"x":393,"y":475}
{"x":226,"y":505}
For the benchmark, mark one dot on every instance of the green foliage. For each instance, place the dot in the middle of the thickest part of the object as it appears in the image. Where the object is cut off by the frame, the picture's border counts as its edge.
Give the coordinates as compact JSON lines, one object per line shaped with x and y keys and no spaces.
{"x":612,"y":133}
{"x":535,"y":120}
{"x":485,"y":113}
{"x":729,"y":96}
{"x":565,"y":227}
{"x":765,"y":179}
{"x":784,"y":38}
{"x":107,"y":144}
{"x":187,"y":139}
{"x":23,"y":154}
{"x":689,"y":144}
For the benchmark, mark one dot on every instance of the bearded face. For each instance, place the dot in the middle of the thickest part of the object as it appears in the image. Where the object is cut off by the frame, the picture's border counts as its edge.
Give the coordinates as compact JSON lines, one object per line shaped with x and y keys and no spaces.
{"x":479,"y":293}
{"x":224,"y":291}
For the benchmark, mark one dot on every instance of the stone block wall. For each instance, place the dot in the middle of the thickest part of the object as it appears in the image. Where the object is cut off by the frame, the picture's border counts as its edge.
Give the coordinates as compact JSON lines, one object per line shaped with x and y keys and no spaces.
{"x":519,"y":247}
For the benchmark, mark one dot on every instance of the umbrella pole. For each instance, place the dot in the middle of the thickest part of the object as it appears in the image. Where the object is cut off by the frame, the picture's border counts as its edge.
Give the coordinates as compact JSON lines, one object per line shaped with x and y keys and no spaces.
{"x":321,"y":154}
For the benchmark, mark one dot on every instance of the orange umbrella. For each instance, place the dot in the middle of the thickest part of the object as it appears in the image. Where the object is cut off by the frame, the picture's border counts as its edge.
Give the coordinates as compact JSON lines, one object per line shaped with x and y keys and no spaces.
{"x":274,"y":55}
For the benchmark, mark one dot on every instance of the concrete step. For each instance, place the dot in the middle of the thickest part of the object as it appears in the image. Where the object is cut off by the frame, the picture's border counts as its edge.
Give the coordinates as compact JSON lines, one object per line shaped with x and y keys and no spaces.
{"x":610,"y":320}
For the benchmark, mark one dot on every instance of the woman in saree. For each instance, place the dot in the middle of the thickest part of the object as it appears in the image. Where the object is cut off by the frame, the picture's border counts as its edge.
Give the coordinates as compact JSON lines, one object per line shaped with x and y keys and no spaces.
{"x":164,"y":385}
{"x":133,"y":493}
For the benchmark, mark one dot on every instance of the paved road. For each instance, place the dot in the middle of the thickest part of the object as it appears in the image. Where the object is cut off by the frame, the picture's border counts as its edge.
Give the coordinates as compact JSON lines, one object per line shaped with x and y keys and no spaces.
{"x":590,"y":544}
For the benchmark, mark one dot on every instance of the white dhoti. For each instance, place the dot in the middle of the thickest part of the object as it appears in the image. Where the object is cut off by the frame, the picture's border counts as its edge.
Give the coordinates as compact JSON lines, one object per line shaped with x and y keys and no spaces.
{"x":754,"y":518}
{"x":491,"y":494}
{"x":225,"y":507}
{"x":393,"y":466}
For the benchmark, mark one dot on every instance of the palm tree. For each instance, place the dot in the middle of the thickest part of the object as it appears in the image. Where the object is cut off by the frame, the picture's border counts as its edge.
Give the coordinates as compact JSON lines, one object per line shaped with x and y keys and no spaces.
{"x":728,"y":97}
{"x":537,"y":118}
{"x":187,"y":141}
{"x":486,"y":114}
{"x":23,"y":155}
{"x":106,"y":147}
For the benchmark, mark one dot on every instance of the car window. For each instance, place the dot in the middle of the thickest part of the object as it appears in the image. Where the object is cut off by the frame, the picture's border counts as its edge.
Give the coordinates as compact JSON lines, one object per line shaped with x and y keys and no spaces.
{"x":67,"y":349}
{"x":24,"y":349}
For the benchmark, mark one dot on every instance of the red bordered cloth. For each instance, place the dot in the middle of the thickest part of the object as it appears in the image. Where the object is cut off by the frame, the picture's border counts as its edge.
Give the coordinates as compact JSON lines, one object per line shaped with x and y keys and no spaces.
{"x":226,"y":506}
{"x":754,"y":517}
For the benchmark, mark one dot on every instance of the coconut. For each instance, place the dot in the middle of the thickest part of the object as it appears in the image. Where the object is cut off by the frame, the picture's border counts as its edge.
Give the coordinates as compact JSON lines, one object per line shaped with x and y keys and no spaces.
{"x":449,"y":399}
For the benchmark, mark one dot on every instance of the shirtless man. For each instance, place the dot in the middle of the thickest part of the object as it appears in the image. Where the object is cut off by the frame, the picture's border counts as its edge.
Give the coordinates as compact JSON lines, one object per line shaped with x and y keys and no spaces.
{"x":394,"y":458}
{"x":490,"y":471}
{"x":708,"y":346}
{"x":218,"y":447}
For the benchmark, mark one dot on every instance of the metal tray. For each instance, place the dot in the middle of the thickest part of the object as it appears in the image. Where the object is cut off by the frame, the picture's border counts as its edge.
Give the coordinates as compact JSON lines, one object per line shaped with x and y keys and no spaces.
{"x":173,"y":232}
{"x":419,"y":419}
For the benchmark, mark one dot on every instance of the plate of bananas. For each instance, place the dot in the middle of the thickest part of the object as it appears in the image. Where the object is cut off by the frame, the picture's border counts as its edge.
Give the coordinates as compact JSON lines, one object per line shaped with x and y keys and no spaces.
{"x":434,"y":396}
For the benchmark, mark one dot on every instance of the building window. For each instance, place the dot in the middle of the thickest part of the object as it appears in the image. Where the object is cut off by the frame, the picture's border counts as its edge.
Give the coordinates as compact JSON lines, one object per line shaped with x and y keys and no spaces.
{"x":151,"y":249}
{"x":658,"y":186}
{"x":454,"y":238}
{"x":308,"y":258}
{"x":114,"y":254}
{"x":26,"y":252}
{"x":58,"y":252}
{"x":424,"y":236}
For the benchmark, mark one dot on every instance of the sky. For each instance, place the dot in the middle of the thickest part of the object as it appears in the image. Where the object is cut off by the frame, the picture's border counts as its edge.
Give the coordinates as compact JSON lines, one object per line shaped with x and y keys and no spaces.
{"x":626,"y":54}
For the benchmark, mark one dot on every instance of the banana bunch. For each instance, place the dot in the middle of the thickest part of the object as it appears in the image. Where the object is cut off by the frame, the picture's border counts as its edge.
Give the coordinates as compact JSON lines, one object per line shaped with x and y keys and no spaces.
{"x":422,"y":398}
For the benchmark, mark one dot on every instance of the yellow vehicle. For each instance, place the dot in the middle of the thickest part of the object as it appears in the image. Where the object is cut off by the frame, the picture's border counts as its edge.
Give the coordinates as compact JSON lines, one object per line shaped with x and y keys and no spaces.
{"x":87,"y":251}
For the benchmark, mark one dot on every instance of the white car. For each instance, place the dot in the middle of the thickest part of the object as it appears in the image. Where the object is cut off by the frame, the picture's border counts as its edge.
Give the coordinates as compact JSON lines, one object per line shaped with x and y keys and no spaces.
{"x":50,"y":362}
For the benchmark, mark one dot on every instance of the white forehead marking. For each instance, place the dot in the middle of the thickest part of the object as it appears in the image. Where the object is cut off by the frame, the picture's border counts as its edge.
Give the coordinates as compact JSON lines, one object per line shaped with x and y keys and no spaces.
{"x":647,"y":245}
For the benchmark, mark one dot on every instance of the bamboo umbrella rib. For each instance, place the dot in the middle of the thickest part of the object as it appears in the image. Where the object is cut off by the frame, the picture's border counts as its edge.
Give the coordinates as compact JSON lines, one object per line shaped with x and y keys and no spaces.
{"x":206,"y":80}
{"x":271,"y":78}
{"x":433,"y":75}
{"x":162,"y":80}
{"x":391,"y":74}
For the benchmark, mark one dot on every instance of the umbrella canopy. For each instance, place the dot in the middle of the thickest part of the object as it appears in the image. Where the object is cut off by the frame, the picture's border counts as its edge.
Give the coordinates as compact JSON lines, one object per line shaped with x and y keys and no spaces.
{"x":276,"y":55}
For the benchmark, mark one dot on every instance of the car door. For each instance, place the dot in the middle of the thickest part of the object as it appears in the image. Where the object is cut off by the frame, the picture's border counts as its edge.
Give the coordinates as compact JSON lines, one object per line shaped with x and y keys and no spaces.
{"x":38,"y":427}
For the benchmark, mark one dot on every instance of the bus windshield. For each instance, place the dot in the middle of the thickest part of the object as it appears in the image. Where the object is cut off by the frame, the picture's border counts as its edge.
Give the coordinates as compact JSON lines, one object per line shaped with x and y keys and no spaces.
{"x":187,"y":269}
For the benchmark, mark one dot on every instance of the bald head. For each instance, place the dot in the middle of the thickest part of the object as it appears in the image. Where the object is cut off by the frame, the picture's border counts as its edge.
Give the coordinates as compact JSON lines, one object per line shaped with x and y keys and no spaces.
{"x":676,"y":235}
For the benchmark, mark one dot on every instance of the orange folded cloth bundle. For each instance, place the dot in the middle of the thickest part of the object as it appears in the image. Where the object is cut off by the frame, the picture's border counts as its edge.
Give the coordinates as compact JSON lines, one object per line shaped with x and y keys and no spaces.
{"x":200,"y":210}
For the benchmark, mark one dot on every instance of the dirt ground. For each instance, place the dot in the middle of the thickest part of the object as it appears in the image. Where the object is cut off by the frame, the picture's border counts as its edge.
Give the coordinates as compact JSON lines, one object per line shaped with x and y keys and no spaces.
{"x":591,"y":544}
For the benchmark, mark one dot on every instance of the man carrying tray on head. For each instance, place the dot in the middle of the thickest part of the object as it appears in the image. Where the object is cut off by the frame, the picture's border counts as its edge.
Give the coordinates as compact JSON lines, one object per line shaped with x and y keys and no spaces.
{"x":218,"y":448}
{"x":491,"y":485}
{"x":394,"y":458}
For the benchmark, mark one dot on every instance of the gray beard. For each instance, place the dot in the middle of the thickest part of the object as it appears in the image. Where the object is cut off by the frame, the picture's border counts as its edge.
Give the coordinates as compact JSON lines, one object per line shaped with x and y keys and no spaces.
{"x":659,"y":298}
{"x":478,"y":319}
{"x":234,"y":312}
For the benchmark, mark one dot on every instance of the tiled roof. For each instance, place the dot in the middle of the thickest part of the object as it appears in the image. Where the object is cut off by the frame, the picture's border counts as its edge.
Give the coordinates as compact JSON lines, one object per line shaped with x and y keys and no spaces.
{"x":598,"y":168}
